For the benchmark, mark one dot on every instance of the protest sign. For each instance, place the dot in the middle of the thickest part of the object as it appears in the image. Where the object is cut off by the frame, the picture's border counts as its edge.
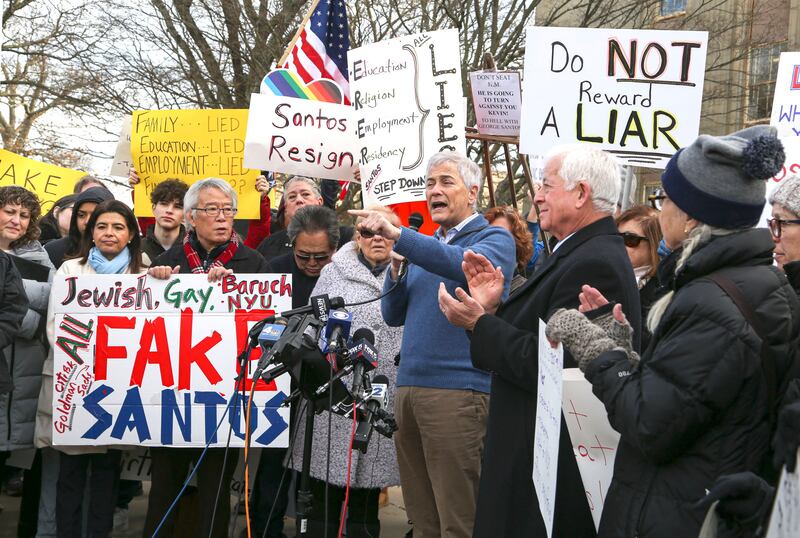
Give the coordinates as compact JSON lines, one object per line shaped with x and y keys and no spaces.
{"x":148,"y":362}
{"x":191,"y":145}
{"x":497,"y":101}
{"x":784,"y":522}
{"x":593,"y":439}
{"x":408,"y":104}
{"x":300,"y":136}
{"x":634,"y":93}
{"x":123,"y":161}
{"x":48,"y":181}
{"x":548,"y":426}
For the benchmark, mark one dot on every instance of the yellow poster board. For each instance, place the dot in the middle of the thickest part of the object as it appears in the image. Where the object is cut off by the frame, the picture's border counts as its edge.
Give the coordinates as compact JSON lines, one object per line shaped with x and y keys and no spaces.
{"x":48,"y":181}
{"x":191,"y":145}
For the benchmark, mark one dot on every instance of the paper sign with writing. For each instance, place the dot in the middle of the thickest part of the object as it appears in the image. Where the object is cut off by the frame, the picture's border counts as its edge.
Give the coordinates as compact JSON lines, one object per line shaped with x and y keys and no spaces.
{"x":148,"y":362}
{"x":407,"y":98}
{"x":191,"y":145}
{"x":593,"y":439}
{"x":123,"y":161}
{"x":784,"y":522}
{"x":300,"y":136}
{"x":634,"y":93}
{"x":48,"y":181}
{"x":497,"y":101}
{"x":548,"y":426}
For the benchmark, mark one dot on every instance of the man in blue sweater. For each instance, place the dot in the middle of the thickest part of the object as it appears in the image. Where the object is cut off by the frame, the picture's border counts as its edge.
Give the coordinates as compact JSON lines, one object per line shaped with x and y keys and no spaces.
{"x":442,"y":401}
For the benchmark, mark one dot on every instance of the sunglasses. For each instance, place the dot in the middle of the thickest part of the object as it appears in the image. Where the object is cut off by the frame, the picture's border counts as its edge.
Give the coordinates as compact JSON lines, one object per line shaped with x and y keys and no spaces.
{"x":316,"y":257}
{"x":657,"y":199}
{"x":631,"y":239}
{"x":776,"y":225}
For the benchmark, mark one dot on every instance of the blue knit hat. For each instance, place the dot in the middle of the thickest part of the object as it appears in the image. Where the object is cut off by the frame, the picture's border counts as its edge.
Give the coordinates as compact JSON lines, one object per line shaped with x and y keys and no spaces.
{"x":719,"y":180}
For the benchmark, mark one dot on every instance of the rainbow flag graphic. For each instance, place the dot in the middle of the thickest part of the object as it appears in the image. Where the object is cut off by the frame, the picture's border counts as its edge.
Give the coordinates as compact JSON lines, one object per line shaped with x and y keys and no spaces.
{"x":289,"y":84}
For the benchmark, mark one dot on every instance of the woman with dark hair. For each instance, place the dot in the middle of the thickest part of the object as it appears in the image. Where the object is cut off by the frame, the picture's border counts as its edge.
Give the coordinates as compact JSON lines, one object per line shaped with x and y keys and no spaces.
{"x":110,"y":245}
{"x":19,"y":230}
{"x":506,"y":217}
{"x":69,"y":246}
{"x":55,"y":223}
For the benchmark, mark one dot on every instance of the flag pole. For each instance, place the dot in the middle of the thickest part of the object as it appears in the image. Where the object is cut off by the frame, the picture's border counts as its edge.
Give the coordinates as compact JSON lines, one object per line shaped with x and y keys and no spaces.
{"x":288,"y":50}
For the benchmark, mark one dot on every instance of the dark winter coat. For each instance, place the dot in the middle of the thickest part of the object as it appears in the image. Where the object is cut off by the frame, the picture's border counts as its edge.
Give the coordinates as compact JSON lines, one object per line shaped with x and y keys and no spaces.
{"x":696,"y":407}
{"x":13,"y":306}
{"x":152,"y":248}
{"x":507,"y":345}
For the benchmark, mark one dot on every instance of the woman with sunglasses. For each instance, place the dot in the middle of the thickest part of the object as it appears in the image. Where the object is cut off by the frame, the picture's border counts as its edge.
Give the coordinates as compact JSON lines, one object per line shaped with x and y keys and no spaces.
{"x":641,"y":233}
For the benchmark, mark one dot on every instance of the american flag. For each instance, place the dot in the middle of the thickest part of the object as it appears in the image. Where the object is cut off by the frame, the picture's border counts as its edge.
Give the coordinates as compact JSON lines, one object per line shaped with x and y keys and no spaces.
{"x":320,"y":50}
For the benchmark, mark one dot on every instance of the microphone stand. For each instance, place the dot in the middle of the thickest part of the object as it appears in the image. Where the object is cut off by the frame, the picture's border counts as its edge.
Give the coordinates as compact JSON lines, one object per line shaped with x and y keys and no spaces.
{"x":305,"y":498}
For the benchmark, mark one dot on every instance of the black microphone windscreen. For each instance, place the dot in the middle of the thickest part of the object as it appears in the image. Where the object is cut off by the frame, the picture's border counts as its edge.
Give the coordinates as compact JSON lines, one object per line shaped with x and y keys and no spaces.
{"x":380,"y":379}
{"x":364,"y":333}
{"x":337,"y":302}
{"x":415,"y":220}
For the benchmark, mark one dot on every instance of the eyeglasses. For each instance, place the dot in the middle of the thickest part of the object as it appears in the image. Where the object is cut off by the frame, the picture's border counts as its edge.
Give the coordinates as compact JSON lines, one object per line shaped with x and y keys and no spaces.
{"x":776,"y":225}
{"x":214,"y":211}
{"x":316,"y":257}
{"x":657,"y":199}
{"x":632,"y":240}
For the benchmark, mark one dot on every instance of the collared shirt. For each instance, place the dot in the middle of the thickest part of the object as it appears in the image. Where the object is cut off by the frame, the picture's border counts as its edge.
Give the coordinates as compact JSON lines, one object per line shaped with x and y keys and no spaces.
{"x":451,"y":233}
{"x":562,"y":241}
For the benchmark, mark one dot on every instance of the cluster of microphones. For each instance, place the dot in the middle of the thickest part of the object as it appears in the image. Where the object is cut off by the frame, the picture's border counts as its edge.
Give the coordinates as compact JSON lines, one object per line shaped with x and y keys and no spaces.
{"x":314,"y":346}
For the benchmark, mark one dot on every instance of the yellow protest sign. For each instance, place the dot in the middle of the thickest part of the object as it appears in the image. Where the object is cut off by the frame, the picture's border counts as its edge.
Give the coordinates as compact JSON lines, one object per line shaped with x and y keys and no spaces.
{"x":48,"y":181}
{"x":191,"y":145}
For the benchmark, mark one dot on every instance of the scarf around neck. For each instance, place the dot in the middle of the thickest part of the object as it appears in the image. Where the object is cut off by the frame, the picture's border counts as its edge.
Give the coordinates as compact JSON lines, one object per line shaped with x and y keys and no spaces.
{"x":104,"y":266}
{"x":197,"y":265}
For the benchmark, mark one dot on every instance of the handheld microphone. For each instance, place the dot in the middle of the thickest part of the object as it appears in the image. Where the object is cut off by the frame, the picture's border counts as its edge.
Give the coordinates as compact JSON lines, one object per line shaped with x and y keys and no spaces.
{"x":319,"y":305}
{"x":365,"y":358}
{"x":337,"y":329}
{"x":375,"y":401}
{"x":415,"y":221}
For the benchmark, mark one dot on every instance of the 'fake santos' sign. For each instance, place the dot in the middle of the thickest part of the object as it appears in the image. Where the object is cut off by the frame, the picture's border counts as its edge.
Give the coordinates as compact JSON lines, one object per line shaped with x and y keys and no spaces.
{"x":142,"y":361}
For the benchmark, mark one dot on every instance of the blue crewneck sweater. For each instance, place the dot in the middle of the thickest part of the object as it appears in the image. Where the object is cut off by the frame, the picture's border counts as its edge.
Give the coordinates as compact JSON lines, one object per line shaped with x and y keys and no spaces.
{"x":434,"y":353}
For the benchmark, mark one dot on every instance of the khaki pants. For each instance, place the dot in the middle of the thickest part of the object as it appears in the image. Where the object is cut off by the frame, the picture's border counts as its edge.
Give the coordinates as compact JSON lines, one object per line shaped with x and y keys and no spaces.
{"x":439,"y":448}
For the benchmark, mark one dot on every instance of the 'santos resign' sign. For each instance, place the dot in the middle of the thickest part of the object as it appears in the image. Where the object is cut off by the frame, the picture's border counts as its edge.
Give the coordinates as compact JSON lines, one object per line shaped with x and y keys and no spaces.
{"x":142,"y":361}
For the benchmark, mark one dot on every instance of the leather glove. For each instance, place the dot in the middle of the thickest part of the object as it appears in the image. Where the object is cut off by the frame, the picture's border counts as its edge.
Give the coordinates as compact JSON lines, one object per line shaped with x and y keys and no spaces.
{"x":584,"y":340}
{"x":744,"y":499}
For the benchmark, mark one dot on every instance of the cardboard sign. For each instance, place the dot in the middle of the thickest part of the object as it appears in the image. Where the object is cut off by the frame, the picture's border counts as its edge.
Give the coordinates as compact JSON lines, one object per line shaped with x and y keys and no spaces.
{"x":593,"y":439}
{"x":548,"y":426}
{"x":300,"y":136}
{"x":148,"y":362}
{"x":48,"y":181}
{"x":634,"y":93}
{"x":784,"y":522}
{"x":123,"y":161}
{"x":191,"y":145}
{"x":407,"y":98}
{"x":497,"y":101}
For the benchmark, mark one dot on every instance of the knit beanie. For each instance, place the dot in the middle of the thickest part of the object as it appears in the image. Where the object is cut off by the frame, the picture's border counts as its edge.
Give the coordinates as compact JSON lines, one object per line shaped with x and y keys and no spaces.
{"x":788,"y":194}
{"x":719,"y":180}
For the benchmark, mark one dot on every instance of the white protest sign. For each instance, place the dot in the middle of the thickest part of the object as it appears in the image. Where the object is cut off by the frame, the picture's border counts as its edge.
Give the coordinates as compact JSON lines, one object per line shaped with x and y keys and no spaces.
{"x":148,"y":362}
{"x":407,"y":98}
{"x":497,"y":100}
{"x":593,"y":439}
{"x":634,"y":93}
{"x":300,"y":136}
{"x":123,"y":161}
{"x":548,"y":426}
{"x":784,"y":522}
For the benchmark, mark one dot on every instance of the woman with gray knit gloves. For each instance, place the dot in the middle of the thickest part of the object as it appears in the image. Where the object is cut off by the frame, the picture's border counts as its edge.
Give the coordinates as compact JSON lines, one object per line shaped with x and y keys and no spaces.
{"x":700,"y":402}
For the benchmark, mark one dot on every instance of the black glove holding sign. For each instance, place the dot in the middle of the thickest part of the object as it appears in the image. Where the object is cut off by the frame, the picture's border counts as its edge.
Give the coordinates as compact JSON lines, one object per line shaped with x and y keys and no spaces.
{"x":744,"y":500}
{"x":787,"y":430}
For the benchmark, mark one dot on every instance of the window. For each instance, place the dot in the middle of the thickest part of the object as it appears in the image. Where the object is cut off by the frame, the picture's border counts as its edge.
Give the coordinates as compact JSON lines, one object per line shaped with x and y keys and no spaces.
{"x":763,"y":70}
{"x":670,"y":7}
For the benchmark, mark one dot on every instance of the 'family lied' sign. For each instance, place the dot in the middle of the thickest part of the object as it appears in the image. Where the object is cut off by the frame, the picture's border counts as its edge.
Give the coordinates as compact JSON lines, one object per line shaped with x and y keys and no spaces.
{"x":142,"y":361}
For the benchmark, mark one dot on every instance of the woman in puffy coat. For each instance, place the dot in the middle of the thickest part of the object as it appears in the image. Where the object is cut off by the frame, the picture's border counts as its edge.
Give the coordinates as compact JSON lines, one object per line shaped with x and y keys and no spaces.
{"x":356,"y":273}
{"x":699,"y":403}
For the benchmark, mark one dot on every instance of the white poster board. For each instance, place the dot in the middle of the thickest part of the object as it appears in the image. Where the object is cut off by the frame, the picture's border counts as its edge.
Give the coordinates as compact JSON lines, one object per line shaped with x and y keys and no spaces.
{"x":123,"y":161}
{"x":300,"y":136}
{"x":593,"y":439}
{"x":497,"y":101}
{"x":548,"y":426}
{"x":147,"y":362}
{"x":407,"y":99}
{"x":634,"y":93}
{"x":784,"y":522}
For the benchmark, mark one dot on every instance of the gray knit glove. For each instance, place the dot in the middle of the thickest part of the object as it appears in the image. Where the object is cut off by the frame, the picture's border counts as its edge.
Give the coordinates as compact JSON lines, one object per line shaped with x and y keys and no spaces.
{"x":584,"y":340}
{"x":620,"y":333}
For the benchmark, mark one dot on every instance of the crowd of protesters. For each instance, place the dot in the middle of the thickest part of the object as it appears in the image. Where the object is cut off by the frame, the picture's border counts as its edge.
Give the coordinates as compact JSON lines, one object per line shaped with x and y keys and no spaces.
{"x":683,"y":316}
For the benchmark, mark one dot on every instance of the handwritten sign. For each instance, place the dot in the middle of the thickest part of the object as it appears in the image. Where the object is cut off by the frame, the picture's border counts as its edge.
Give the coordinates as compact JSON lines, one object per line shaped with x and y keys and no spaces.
{"x":141,"y":361}
{"x":407,"y":98}
{"x":497,"y":101}
{"x":48,"y":181}
{"x":593,"y":439}
{"x":191,"y":145}
{"x":784,"y":522}
{"x":123,"y":161}
{"x":634,"y":93}
{"x":548,"y":426}
{"x":300,"y":136}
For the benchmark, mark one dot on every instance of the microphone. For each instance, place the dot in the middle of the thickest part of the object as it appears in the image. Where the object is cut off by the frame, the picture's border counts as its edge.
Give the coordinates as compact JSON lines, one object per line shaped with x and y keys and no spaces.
{"x":415,"y":221}
{"x":375,"y":401}
{"x":319,"y":305}
{"x":337,"y":329}
{"x":365,"y":358}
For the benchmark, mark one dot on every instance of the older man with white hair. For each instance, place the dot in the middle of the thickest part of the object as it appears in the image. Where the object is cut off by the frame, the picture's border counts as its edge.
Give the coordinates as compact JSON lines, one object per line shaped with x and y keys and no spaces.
{"x":576,"y":203}
{"x":442,"y":400}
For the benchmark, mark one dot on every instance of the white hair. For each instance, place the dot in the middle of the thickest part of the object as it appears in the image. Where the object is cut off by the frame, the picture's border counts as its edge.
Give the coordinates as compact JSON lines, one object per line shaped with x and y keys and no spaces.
{"x":193,"y":194}
{"x":469,"y":172}
{"x":581,"y":162}
{"x":303,"y":179}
